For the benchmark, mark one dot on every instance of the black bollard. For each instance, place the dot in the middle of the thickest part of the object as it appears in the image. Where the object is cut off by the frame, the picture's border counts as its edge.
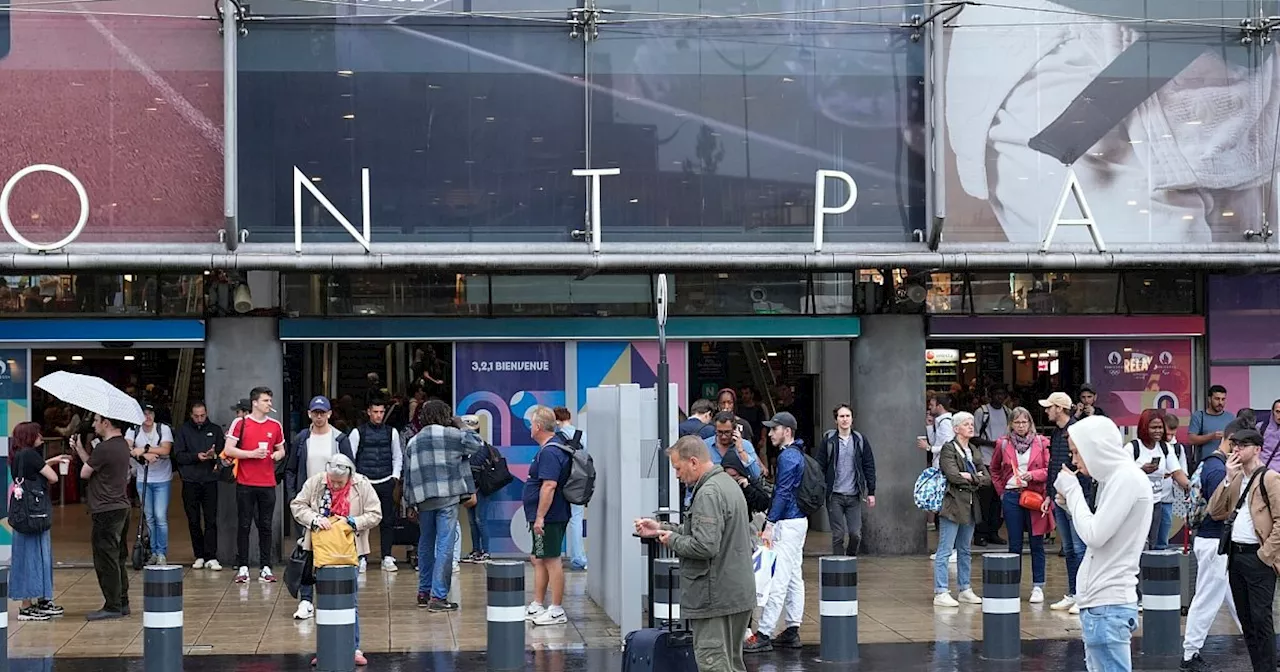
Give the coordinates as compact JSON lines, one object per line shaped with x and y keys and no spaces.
{"x":505,"y":642}
{"x":1001,"y":606}
{"x":336,"y":618}
{"x":162,"y":618}
{"x":1161,"y":604}
{"x":838,"y":609}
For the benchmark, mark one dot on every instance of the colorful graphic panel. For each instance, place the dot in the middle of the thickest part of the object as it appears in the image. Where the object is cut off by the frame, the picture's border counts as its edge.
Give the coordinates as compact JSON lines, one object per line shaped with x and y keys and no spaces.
{"x":1133,"y":375}
{"x":618,"y":363}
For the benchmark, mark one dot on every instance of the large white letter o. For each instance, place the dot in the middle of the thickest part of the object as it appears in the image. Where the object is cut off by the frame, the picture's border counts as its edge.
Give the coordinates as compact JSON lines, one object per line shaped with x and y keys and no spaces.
{"x":8,"y":191}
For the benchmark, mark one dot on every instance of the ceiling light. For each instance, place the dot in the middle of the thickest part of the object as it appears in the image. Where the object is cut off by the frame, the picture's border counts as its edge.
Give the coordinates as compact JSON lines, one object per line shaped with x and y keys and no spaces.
{"x":970,"y":354}
{"x":1021,"y":357}
{"x":1017,"y":352}
{"x":345,"y":73}
{"x":1228,"y":213}
{"x":1051,"y":353}
{"x":1035,"y":355}
{"x":129,"y":358}
{"x":773,"y":354}
{"x":1128,"y":349}
{"x":77,"y":358}
{"x":348,"y":116}
{"x":50,"y":358}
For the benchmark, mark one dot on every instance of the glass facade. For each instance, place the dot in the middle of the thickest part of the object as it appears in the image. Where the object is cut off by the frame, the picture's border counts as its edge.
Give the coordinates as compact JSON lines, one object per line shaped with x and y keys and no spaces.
{"x":1138,"y":292}
{"x":470,"y":126}
{"x":101,"y":294}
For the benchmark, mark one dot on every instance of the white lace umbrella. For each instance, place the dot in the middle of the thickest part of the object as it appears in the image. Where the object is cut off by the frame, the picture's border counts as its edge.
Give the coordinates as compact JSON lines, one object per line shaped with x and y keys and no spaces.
{"x":93,"y":394}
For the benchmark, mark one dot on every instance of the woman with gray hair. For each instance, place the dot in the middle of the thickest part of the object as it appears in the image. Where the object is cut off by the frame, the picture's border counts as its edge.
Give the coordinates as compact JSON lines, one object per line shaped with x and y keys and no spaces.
{"x":1020,"y":474}
{"x":961,"y":464}
{"x":338,"y":493}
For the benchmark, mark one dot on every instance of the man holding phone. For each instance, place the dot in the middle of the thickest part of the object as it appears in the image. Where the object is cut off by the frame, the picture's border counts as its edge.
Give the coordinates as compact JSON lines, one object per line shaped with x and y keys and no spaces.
{"x":729,"y":437}
{"x":256,"y":442}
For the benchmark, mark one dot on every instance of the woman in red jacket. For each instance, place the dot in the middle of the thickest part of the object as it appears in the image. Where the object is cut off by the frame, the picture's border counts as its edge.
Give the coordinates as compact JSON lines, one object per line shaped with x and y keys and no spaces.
{"x":1019,"y":472}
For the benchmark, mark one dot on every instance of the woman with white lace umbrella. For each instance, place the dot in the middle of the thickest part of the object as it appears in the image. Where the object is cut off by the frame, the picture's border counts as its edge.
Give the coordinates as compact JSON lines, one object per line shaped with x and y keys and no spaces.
{"x":93,"y":394}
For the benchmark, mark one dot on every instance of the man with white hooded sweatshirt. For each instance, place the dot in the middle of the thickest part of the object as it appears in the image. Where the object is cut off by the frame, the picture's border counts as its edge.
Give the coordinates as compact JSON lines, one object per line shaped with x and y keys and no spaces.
{"x":1106,"y":586}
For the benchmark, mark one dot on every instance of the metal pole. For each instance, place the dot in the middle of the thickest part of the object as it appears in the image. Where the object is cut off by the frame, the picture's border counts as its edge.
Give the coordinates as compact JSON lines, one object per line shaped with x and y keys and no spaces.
{"x":162,"y":619}
{"x":1001,"y":606}
{"x":230,"y":135}
{"x":1161,"y":604}
{"x":838,"y":609}
{"x":336,"y":618}
{"x":505,"y":616}
{"x":664,"y":403}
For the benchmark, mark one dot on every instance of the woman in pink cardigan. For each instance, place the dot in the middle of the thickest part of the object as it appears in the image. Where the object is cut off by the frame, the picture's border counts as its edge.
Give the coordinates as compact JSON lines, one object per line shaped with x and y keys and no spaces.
{"x":1019,"y":472}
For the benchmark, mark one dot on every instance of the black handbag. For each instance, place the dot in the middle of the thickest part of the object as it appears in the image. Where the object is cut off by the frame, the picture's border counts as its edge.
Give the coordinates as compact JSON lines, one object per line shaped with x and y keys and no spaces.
{"x":300,"y":571}
{"x":493,"y":475}
{"x":1224,"y":541}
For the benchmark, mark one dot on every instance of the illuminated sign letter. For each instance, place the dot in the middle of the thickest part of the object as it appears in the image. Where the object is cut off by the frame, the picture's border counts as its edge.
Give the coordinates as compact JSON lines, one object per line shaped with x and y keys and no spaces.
{"x":820,"y":209}
{"x":594,"y":189}
{"x":300,"y":180}
{"x":1072,"y":188}
{"x":8,"y":191}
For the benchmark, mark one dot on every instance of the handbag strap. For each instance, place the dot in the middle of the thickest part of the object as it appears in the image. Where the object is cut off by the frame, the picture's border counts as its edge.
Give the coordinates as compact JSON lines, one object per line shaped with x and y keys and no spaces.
{"x":1244,"y":493}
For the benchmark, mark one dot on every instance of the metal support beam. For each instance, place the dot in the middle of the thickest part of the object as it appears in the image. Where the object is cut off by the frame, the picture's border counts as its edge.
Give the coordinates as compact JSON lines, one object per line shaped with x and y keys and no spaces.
{"x":231,"y":32}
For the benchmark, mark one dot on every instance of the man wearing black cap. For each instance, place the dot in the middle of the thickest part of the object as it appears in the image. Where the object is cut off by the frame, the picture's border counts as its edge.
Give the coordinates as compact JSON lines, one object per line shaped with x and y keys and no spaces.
{"x":241,"y":408}
{"x":1086,"y":408}
{"x":786,"y":529}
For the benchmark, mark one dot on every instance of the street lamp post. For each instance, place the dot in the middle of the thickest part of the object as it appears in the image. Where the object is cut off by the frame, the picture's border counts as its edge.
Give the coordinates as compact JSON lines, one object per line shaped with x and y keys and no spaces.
{"x":664,"y":383}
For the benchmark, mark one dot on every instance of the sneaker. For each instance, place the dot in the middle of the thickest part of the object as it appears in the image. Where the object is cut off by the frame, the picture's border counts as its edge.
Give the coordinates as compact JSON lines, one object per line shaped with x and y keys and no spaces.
{"x":389,"y":564}
{"x":757,"y":643}
{"x":484,"y":557}
{"x":125,"y":610}
{"x":1037,"y":595}
{"x":198,"y":564}
{"x":969,"y":597}
{"x":103,"y":615}
{"x":1074,"y":610}
{"x":305,"y":611}
{"x":265,"y":576}
{"x":789,"y":639}
{"x":995,"y":539}
{"x":436,"y":605}
{"x":1195,"y":664}
{"x":32,"y":613}
{"x":941,"y":600}
{"x":980,"y":542}
{"x":161,"y":560}
{"x":213,"y":565}
{"x":364,"y":565}
{"x":534,"y":610}
{"x":50,"y":608}
{"x":242,"y":575}
{"x":153,"y":560}
{"x":361,"y":661}
{"x":1064,"y":604}
{"x":952,"y":560}
{"x":456,"y":567}
{"x":471,"y":557}
{"x":423,"y":600}
{"x":552,"y":616}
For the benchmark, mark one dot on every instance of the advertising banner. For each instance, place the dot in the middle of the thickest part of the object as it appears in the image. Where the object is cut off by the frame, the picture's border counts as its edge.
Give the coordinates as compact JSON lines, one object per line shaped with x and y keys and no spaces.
{"x":15,"y":384}
{"x":501,"y":383}
{"x":1156,"y":159}
{"x":1133,"y":375}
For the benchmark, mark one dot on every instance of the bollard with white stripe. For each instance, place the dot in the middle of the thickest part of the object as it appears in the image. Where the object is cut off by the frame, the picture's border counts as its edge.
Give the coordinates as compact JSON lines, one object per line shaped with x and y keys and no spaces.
{"x":505,"y":643}
{"x":1001,"y":606}
{"x":336,"y":618}
{"x":838,"y":607}
{"x":162,"y":618}
{"x":4,"y":620}
{"x":665,"y":587}
{"x":1161,"y":604}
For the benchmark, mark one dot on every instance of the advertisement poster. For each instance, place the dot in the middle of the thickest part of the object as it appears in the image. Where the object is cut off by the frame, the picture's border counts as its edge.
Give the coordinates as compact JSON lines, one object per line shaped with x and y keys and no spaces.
{"x":14,"y":408}
{"x":1133,"y":375}
{"x":501,"y":383}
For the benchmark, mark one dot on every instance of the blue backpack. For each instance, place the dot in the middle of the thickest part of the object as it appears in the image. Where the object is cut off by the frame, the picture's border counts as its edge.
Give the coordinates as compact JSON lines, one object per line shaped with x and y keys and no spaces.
{"x":930,"y":489}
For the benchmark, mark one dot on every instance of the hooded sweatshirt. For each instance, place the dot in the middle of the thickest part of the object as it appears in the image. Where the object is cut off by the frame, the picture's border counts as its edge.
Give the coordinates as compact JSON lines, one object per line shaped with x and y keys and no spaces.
{"x":1109,"y":574}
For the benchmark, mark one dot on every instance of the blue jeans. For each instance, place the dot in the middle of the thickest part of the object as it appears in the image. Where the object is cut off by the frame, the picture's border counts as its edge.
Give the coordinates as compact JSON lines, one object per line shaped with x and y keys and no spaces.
{"x":155,"y":507}
{"x":574,"y":539}
{"x":1018,"y":519}
{"x":1161,"y":523}
{"x":436,"y":537}
{"x":952,"y":535}
{"x":1106,"y":632}
{"x":1072,"y":544}
{"x":478,"y":516}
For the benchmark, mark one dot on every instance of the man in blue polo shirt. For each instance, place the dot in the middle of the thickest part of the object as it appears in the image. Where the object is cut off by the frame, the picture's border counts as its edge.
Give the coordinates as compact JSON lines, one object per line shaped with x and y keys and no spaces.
{"x":728,"y":437}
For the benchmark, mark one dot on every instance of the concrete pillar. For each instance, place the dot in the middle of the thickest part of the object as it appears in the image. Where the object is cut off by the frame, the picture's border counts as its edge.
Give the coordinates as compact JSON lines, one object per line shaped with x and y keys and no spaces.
{"x":242,"y":353}
{"x":888,"y":395}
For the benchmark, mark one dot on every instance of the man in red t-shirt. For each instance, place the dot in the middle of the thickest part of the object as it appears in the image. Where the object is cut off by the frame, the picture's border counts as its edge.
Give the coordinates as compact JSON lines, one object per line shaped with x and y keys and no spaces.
{"x":257,"y":443}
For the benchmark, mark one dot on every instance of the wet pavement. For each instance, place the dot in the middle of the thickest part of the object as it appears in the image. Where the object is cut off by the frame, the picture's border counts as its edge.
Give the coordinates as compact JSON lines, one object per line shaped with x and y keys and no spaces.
{"x":1226,"y":654}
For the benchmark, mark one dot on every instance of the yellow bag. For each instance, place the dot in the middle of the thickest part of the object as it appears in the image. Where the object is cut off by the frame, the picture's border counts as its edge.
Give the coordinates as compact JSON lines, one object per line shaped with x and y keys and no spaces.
{"x":335,"y":546}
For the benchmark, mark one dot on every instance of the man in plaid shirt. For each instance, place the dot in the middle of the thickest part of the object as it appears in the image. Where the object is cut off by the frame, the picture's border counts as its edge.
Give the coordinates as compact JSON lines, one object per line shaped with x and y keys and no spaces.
{"x":437,"y":474}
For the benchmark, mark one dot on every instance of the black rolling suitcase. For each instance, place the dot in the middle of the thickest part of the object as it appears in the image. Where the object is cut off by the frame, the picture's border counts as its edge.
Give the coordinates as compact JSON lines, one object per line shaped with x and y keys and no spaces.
{"x":659,"y":650}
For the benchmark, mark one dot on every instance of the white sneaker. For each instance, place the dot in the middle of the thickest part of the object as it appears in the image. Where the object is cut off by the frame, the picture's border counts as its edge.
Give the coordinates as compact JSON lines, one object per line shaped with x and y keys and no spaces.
{"x":944,"y":600}
{"x":969,"y":597}
{"x":242,"y":575}
{"x":953,"y":557}
{"x":265,"y":576}
{"x":364,"y":565}
{"x":552,"y":616}
{"x":198,"y":564}
{"x":213,"y":566}
{"x":456,"y":567}
{"x":389,"y":564}
{"x":1074,"y":610}
{"x":533,"y":611}
{"x":1037,"y":595}
{"x":305,"y":611}
{"x":1064,"y":604}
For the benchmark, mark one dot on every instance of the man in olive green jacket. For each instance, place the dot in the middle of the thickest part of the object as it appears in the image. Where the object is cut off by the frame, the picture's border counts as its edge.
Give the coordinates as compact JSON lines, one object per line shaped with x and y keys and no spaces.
{"x":717,"y":580}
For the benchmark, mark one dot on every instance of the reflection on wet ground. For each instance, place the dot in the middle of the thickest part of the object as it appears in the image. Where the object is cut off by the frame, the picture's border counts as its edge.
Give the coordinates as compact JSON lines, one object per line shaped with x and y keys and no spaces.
{"x":1226,"y":654}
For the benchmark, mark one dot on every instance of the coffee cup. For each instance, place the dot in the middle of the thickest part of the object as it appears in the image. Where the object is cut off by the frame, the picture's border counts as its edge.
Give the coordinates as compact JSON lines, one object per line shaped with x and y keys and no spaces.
{"x":64,"y":467}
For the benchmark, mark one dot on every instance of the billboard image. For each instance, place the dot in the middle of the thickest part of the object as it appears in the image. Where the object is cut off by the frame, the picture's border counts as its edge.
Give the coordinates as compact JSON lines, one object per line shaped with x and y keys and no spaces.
{"x":1131,"y":376}
{"x":128,"y":100}
{"x":1169,"y":125}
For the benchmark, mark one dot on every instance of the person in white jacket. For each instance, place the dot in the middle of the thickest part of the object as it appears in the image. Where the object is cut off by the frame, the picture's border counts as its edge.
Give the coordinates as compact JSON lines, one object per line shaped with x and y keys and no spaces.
{"x":1106,"y":586}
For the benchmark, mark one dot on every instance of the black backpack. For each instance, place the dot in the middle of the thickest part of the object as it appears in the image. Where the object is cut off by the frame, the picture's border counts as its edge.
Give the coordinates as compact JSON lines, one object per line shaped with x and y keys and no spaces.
{"x":812,"y":493}
{"x":29,"y":509}
{"x":493,"y":474}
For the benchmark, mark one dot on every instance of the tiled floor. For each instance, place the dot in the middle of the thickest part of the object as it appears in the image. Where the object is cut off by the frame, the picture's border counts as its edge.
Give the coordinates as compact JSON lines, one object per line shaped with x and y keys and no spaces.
{"x":895,"y":606}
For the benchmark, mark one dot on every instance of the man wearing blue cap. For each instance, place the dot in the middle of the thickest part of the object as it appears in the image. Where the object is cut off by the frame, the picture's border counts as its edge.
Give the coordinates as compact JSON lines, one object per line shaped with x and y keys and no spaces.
{"x":311,"y":451}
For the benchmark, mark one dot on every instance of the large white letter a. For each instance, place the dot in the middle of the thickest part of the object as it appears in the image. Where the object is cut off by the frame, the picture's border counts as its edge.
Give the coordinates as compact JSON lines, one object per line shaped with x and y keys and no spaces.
{"x":1072,"y":188}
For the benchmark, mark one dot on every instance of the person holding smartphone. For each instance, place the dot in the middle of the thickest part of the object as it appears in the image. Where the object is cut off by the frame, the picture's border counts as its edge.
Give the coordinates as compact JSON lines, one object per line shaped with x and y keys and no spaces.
{"x":1161,"y":464}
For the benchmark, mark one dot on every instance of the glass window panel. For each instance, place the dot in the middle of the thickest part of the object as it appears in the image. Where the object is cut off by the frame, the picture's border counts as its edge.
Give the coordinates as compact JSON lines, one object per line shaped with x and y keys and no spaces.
{"x":1044,"y":293}
{"x":401,"y":294}
{"x":598,"y":295}
{"x":1167,"y":292}
{"x":182,"y":295}
{"x":739,"y":293}
{"x":82,"y":294}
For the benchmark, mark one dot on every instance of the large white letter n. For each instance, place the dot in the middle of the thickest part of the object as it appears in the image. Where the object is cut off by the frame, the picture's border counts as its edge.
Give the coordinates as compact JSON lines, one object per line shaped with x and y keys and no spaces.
{"x":300,"y":180}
